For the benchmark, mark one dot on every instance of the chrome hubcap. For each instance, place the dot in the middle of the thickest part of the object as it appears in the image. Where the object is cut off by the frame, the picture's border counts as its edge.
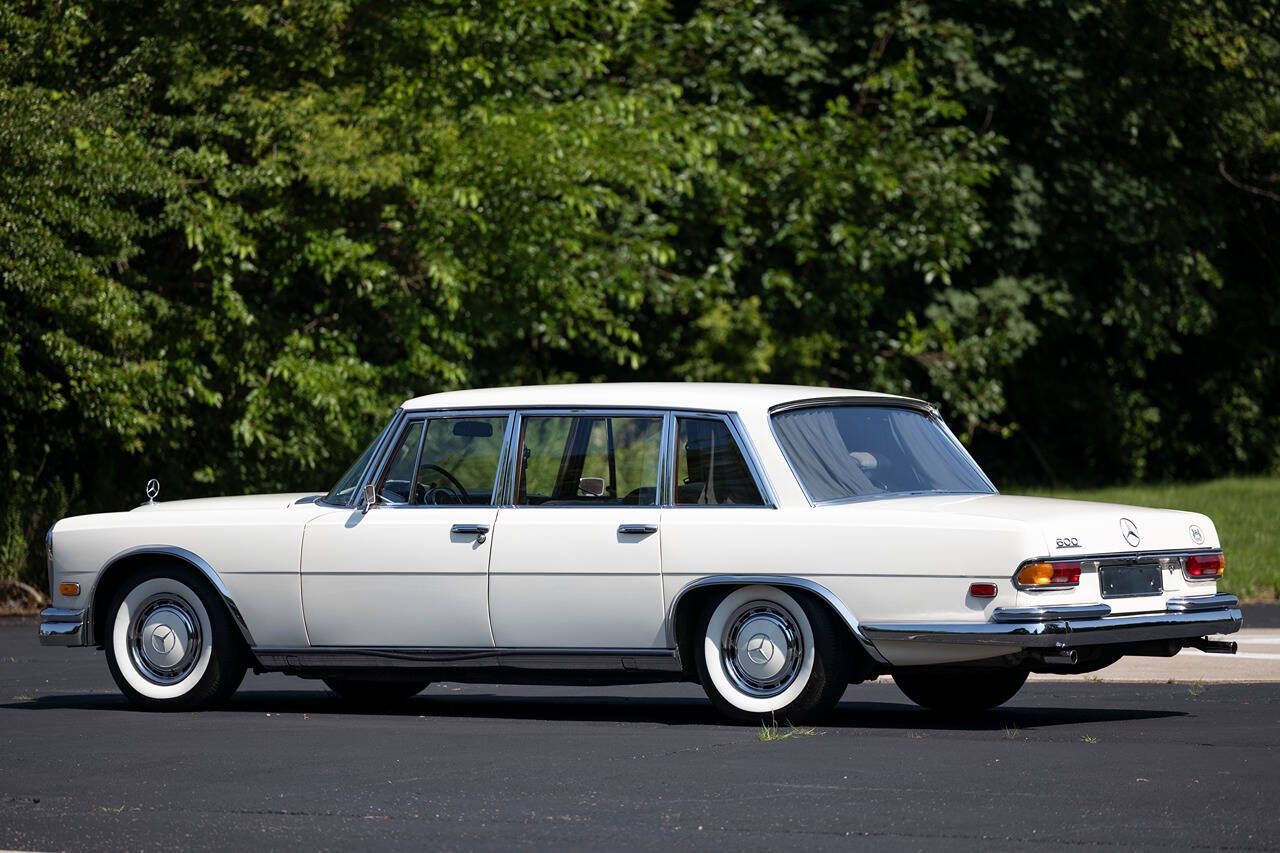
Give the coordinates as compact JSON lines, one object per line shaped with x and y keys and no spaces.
{"x":164,"y":639}
{"x":762,"y":649}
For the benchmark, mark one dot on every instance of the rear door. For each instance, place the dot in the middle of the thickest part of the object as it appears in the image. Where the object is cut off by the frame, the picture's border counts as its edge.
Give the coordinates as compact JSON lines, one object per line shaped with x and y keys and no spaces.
{"x":720,"y":505}
{"x":576,"y":557}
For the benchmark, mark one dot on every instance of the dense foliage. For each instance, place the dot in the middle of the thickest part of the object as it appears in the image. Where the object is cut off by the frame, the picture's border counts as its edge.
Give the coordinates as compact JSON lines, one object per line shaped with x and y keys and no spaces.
{"x":234,"y":236}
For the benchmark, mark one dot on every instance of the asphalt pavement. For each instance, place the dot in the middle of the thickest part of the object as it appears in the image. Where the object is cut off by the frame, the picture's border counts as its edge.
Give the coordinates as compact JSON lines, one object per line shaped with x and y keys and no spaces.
{"x":1066,"y":765}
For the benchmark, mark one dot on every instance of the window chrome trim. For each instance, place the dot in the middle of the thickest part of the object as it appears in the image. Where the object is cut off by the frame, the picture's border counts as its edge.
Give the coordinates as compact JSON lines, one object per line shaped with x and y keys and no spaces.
{"x":423,"y":416}
{"x":545,"y":408}
{"x":502,"y":488}
{"x":936,"y":417}
{"x":666,"y":462}
{"x":739,"y":436}
{"x":882,"y":403}
{"x":519,"y":414}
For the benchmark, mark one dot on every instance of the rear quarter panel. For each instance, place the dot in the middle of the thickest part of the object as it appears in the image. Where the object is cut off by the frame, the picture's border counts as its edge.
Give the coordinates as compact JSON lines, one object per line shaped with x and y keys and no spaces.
{"x":885,"y":563}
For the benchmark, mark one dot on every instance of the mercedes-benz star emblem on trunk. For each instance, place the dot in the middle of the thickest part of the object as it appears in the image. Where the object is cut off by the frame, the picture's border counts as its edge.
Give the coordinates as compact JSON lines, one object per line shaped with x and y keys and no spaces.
{"x":1129,"y":531}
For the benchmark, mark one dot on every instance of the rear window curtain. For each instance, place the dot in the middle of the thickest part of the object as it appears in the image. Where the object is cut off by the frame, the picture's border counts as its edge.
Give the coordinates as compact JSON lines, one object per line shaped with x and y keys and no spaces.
{"x":811,"y":440}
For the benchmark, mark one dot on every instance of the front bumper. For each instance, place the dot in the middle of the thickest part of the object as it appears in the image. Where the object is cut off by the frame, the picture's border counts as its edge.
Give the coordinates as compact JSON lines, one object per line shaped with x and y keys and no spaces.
{"x":62,"y":627}
{"x":1069,"y":626}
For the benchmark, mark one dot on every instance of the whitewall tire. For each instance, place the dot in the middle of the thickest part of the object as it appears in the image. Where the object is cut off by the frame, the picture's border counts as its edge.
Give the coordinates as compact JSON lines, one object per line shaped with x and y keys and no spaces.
{"x":169,"y":642}
{"x":766,"y":653}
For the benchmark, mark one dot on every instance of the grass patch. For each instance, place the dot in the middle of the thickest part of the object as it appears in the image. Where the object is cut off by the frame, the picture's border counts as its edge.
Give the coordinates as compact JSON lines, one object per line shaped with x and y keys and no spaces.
{"x":770,"y":731}
{"x":1244,"y":509}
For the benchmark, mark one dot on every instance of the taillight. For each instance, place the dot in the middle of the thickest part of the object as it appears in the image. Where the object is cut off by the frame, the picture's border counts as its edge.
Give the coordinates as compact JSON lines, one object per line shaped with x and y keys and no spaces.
{"x":1205,"y":567}
{"x":1055,"y":575}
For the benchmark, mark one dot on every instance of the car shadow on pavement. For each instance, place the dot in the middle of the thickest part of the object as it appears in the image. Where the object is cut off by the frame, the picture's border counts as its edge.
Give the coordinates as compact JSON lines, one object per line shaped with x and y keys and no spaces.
{"x":674,"y":711}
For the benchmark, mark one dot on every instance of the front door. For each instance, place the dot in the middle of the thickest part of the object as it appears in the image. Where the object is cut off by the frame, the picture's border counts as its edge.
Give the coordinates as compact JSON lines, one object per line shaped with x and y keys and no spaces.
{"x":413,"y":570}
{"x":577,"y":559}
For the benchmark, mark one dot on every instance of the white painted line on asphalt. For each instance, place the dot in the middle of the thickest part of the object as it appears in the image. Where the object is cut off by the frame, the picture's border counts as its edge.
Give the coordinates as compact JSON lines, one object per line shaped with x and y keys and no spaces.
{"x":1250,"y":655}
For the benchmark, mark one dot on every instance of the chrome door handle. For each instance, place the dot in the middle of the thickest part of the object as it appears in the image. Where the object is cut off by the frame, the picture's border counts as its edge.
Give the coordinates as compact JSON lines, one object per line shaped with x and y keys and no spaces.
{"x":637,"y":529}
{"x":477,"y":530}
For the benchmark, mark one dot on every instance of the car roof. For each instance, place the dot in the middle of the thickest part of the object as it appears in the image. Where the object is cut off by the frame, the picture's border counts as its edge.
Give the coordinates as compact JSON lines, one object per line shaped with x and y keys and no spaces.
{"x":701,"y":396}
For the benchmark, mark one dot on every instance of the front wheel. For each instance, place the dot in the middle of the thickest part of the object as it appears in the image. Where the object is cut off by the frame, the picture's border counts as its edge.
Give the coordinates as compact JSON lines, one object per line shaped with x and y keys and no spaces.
{"x":959,"y":692}
{"x":764,"y":654}
{"x":170,"y":643}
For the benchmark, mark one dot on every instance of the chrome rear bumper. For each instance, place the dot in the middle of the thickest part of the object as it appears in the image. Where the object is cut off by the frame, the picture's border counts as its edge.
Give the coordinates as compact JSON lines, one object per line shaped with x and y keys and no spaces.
{"x":62,"y":627}
{"x":1071,"y":626}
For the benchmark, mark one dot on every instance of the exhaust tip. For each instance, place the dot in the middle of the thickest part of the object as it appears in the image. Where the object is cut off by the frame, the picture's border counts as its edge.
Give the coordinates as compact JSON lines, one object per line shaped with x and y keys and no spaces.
{"x":1213,"y":647}
{"x":1061,"y":657}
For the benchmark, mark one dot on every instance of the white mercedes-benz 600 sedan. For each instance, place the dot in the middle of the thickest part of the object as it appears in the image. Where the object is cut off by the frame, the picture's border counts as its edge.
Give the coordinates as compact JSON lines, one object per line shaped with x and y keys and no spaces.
{"x":774,"y":544}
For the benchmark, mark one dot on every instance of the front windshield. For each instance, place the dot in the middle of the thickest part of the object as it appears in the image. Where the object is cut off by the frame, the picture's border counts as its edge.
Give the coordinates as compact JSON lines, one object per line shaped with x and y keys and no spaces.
{"x":341,"y":493}
{"x":849,"y":452}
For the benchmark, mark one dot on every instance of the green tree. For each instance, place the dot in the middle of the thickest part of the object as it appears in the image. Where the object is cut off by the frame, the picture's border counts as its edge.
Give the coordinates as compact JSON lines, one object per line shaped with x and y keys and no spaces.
{"x":232,"y":237}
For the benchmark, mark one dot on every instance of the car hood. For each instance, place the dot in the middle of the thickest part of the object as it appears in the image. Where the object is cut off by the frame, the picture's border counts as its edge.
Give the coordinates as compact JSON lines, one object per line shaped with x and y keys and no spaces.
{"x":1072,"y":528}
{"x":247,"y":502}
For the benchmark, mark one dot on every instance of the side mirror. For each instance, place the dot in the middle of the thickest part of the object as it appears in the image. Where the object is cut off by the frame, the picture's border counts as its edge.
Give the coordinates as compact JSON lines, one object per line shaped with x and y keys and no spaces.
{"x":593,"y":486}
{"x":369,"y":498}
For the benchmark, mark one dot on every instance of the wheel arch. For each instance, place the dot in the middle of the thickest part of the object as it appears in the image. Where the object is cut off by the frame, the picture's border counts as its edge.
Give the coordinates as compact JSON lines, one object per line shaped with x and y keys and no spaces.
{"x":117,"y":570}
{"x":684,"y":605}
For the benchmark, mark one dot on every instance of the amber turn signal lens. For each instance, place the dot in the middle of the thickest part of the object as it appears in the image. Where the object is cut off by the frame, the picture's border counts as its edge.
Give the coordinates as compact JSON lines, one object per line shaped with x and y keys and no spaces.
{"x":1205,"y":566}
{"x":70,"y":589}
{"x":1049,"y":575}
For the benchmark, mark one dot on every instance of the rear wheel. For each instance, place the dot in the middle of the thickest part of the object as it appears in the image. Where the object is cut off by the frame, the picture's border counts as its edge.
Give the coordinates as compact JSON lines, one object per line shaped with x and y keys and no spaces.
{"x":170,"y":644}
{"x":959,"y":692}
{"x":764,"y":654}
{"x":375,"y":692}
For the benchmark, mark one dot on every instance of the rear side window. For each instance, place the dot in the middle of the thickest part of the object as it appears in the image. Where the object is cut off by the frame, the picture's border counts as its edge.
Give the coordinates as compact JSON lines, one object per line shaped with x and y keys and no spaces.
{"x":588,"y":460}
{"x":710,"y":468}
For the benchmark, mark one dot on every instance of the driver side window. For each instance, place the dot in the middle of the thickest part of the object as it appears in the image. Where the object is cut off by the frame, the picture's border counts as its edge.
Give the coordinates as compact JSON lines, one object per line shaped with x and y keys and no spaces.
{"x":459,"y":461}
{"x":454,"y":464}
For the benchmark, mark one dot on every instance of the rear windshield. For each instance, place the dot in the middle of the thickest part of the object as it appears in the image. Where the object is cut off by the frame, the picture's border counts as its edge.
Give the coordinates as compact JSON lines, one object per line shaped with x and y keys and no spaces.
{"x":850,"y":452}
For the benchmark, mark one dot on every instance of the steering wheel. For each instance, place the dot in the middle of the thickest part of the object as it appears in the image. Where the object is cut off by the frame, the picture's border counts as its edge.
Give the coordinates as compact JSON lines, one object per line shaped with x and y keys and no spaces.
{"x":433,"y":495}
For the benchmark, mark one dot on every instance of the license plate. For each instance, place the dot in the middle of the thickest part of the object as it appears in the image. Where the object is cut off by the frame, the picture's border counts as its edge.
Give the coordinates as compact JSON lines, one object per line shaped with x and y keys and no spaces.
{"x":1123,"y":581}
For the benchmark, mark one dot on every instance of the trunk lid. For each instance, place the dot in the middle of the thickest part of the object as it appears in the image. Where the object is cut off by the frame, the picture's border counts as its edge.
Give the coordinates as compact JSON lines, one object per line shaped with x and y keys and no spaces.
{"x":1086,"y":531}
{"x":1077,"y":528}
